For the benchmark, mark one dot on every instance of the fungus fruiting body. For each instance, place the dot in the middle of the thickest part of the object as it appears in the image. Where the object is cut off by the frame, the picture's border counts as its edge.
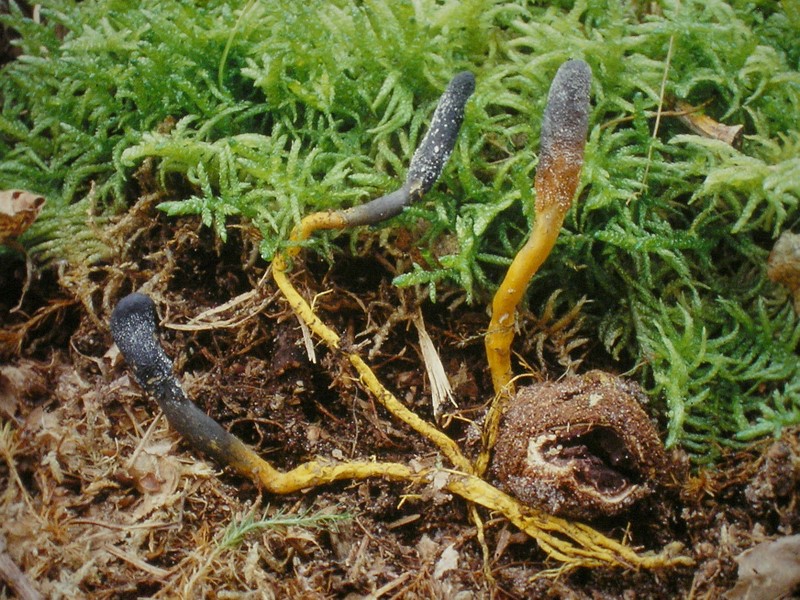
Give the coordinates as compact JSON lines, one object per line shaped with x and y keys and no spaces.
{"x":581,"y":447}
{"x":134,"y":328}
{"x":134,"y":323}
{"x":564,"y":128}
{"x":426,"y":166}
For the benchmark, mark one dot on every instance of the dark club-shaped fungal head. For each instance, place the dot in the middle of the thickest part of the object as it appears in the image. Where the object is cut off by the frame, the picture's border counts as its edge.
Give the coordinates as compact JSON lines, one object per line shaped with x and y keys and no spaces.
{"x":426,"y":164}
{"x":133,"y":326}
{"x":564,"y":128}
{"x":437,"y":145}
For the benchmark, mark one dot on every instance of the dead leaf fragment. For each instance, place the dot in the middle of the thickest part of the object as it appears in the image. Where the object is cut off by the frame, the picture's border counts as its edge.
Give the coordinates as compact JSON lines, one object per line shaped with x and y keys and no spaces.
{"x":441,"y":391}
{"x":783,"y":265}
{"x":155,"y":471}
{"x":23,"y":380}
{"x":705,"y":126}
{"x":448,"y":561}
{"x":768,"y":571}
{"x":18,"y":210}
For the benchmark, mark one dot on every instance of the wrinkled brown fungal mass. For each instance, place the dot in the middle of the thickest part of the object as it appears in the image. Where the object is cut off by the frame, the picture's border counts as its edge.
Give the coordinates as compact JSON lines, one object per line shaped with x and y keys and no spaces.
{"x":581,"y":447}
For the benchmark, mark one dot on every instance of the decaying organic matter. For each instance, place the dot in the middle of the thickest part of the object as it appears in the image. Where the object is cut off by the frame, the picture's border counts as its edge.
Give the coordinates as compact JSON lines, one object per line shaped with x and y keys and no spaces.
{"x":18,"y":209}
{"x":580,"y":447}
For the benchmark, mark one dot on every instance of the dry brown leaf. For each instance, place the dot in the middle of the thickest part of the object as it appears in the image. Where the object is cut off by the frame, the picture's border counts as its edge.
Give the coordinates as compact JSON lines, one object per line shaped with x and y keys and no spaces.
{"x":155,"y":471}
{"x":783,"y":265}
{"x":19,"y":381}
{"x":768,"y":571}
{"x":427,"y":548}
{"x":707,"y":127}
{"x":18,"y":209}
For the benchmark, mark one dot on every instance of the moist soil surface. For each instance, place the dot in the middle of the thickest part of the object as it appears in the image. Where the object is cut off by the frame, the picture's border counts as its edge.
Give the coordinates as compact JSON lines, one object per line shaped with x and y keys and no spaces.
{"x":101,"y":499}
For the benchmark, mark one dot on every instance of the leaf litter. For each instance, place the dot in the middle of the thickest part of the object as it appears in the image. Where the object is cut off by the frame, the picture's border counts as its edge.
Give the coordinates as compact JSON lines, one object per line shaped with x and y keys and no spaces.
{"x":102,"y":499}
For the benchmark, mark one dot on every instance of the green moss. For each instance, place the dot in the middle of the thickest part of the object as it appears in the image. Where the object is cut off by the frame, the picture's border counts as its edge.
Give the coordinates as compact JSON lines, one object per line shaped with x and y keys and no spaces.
{"x":282,"y":108}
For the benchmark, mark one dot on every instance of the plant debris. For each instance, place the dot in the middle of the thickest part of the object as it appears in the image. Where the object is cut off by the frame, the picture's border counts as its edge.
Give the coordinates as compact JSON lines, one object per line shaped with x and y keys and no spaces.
{"x":783,"y":265}
{"x":18,"y":210}
{"x":702,"y":124}
{"x":768,"y":571}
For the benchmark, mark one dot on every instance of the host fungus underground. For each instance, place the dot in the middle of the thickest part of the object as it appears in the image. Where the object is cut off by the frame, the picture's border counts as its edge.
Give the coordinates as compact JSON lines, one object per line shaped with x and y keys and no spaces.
{"x":581,"y":447}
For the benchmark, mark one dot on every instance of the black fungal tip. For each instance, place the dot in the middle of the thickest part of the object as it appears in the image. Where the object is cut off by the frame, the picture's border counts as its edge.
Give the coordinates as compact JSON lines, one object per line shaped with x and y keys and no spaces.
{"x":566,"y":117}
{"x":133,"y":327}
{"x":461,"y":87}
{"x":135,"y":308}
{"x":437,"y":145}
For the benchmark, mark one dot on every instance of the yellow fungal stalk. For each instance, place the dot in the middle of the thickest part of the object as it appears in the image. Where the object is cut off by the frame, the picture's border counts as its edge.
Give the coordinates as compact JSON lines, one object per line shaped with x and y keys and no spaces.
{"x":560,"y":160}
{"x":134,"y":323}
{"x":563,"y":138}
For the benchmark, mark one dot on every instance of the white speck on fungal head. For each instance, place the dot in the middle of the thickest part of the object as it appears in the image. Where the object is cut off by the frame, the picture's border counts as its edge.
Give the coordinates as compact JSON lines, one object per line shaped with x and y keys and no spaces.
{"x":566,"y":117}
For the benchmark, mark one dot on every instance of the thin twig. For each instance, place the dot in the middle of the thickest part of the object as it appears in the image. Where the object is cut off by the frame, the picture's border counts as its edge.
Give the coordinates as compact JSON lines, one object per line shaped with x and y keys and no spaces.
{"x":658,"y":113}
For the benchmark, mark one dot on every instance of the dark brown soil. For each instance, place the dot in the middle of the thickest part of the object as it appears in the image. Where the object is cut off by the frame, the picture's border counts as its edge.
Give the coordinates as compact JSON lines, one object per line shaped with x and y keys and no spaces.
{"x":101,"y":499}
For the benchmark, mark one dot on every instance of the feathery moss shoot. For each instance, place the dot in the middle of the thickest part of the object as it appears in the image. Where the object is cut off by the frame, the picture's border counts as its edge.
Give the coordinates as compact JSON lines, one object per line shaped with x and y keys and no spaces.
{"x":231,"y":112}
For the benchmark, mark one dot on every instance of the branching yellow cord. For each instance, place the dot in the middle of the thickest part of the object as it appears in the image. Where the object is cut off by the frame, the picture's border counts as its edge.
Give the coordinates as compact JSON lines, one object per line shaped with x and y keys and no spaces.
{"x":134,"y":321}
{"x":447,"y":446}
{"x":573,"y":544}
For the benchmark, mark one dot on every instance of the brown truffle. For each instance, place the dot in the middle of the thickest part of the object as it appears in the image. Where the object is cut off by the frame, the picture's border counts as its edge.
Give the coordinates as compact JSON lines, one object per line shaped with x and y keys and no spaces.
{"x":581,"y":447}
